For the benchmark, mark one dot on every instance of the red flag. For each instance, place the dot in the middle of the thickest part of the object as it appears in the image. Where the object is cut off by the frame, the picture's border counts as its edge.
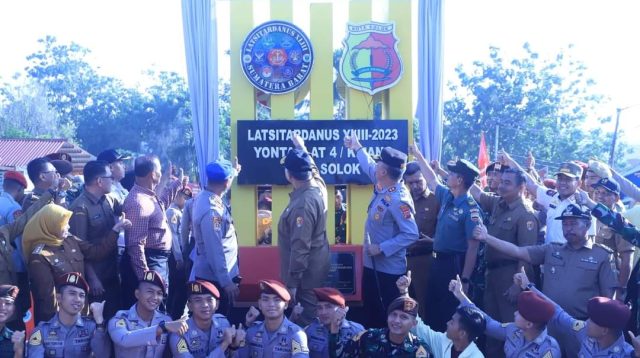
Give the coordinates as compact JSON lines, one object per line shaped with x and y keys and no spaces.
{"x":483,"y":160}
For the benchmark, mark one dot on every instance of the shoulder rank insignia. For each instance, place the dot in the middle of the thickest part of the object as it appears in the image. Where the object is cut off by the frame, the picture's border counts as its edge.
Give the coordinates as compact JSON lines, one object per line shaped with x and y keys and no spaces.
{"x":36,"y":339}
{"x":504,"y":325}
{"x":392,"y":189}
{"x":406,"y":211}
{"x":38,"y":249}
{"x":121,"y":323}
{"x":421,"y":352}
{"x":578,"y":325}
{"x":474,"y":214}
{"x":295,"y":347}
{"x":182,"y":346}
{"x":217,"y":223}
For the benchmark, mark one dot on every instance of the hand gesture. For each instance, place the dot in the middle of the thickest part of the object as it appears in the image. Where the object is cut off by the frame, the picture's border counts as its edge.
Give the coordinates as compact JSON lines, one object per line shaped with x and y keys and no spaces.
{"x":122,"y":223}
{"x":504,"y":158}
{"x":480,"y":233}
{"x":373,"y":249}
{"x":352,"y":142}
{"x":64,"y":184}
{"x":455,"y":287}
{"x":251,"y":316}
{"x":404,"y":282}
{"x":227,"y":336}
{"x":635,"y":341}
{"x":582,"y":198}
{"x":239,"y":337}
{"x":183,"y":178}
{"x":435,"y":165}
{"x":415,"y":151}
{"x":338,"y":316}
{"x":297,"y":310}
{"x":236,"y":165}
{"x":521,"y":279}
{"x":178,"y":327}
{"x":97,"y":308}
{"x":298,"y":142}
{"x":17,"y":338}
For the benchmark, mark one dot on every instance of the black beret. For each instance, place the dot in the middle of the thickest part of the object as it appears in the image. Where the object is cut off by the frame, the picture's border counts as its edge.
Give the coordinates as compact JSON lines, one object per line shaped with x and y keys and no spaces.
{"x":297,"y":160}
{"x":392,"y":157}
{"x":464,"y":168}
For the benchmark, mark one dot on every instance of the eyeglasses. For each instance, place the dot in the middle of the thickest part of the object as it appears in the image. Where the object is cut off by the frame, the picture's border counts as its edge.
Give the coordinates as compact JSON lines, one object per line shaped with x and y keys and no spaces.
{"x":110,"y":177}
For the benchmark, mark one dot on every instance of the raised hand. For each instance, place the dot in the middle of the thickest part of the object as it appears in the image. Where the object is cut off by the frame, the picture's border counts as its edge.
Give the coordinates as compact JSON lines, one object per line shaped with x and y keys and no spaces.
{"x":352,"y":142}
{"x":403,"y":283}
{"x":297,"y":310}
{"x":298,"y":142}
{"x":63,"y":184}
{"x":521,"y":279}
{"x":530,"y":161}
{"x":122,"y":223}
{"x":97,"y":308}
{"x":236,"y":165}
{"x":455,"y":287}
{"x":582,"y":198}
{"x":480,"y":233}
{"x":338,"y":316}
{"x":239,"y":337}
{"x":251,"y":316}
{"x":635,"y":341}
{"x":17,"y":338}
{"x":178,"y":327}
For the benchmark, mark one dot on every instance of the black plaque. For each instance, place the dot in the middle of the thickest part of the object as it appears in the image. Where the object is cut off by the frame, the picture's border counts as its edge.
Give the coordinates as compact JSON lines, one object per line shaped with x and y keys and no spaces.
{"x":342,"y":273}
{"x":261,"y":145}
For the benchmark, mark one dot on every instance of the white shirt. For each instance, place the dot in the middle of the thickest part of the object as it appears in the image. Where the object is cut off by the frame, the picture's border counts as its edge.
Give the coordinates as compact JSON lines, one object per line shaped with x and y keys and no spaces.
{"x":441,"y":345}
{"x":550,"y":199}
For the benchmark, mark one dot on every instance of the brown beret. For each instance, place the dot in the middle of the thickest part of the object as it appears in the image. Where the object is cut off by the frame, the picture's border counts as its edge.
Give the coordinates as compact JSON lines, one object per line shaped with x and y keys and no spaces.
{"x":405,"y":304}
{"x":274,"y":287}
{"x":331,"y":295}
{"x":201,"y":287}
{"x":608,"y":313}
{"x":9,"y":291}
{"x":62,"y":162}
{"x":154,"y":278}
{"x":72,"y":279}
{"x":534,"y":308}
{"x":16,"y":176}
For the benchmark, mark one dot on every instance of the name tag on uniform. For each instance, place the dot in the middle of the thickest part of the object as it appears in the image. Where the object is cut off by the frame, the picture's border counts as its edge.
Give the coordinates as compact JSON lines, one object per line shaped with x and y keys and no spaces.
{"x":84,"y":340}
{"x":556,"y":255}
{"x":589,"y":259}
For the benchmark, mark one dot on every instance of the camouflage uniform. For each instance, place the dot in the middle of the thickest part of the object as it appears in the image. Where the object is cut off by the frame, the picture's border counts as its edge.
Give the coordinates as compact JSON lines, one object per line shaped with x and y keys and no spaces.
{"x":375,"y":343}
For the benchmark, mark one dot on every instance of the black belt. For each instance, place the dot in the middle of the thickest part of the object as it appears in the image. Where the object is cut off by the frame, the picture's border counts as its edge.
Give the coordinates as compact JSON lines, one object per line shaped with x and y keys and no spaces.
{"x":445,"y":255}
{"x":157,"y":252}
{"x":418,"y":252}
{"x":500,"y":263}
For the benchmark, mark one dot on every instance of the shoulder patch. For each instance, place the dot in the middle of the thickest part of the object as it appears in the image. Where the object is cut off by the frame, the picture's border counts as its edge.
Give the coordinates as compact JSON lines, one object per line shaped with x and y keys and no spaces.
{"x":421,"y":352}
{"x":174,"y":219}
{"x":182,"y":346}
{"x":121,"y":323}
{"x":299,"y":221}
{"x":406,"y":211}
{"x":17,"y":213}
{"x":295,"y":347}
{"x":578,"y":325}
{"x":471,"y":202}
{"x":551,"y":192}
{"x":530,"y":225}
{"x":604,"y":247}
{"x":38,"y":249}
{"x":36,"y":338}
{"x":548,"y":355}
{"x":474,"y":213}
{"x":217,"y":223}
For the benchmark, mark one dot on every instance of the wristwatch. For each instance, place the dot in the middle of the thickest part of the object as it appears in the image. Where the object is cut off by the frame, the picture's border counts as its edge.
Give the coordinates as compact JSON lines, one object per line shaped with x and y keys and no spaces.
{"x":163,"y":327}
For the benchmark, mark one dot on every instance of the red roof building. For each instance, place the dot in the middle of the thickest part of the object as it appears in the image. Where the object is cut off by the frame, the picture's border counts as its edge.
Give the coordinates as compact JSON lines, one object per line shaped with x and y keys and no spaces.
{"x":16,"y":153}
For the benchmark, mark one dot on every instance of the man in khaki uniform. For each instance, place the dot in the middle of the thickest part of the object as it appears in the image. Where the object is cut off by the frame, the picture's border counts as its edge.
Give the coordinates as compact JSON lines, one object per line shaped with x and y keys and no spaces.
{"x":94,"y":215}
{"x":607,"y":192}
{"x":419,"y":254}
{"x":511,"y":218}
{"x":302,"y":236}
{"x":574,"y":272}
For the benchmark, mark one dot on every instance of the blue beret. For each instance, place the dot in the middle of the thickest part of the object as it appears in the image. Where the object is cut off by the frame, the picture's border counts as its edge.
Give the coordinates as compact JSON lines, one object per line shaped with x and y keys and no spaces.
{"x":219,"y":171}
{"x":297,"y":161}
{"x":575,"y":211}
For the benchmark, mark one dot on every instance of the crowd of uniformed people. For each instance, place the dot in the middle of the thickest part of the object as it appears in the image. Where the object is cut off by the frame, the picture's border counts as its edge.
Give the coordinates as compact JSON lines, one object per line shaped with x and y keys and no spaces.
{"x":142,"y":264}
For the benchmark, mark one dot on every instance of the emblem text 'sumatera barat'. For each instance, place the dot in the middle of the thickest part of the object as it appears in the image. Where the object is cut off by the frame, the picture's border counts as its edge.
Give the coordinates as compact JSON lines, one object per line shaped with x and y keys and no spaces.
{"x":370,"y":60}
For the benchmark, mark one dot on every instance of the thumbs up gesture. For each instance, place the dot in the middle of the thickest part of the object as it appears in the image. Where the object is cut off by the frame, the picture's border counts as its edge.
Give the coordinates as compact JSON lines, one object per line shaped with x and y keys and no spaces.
{"x":521,"y":279}
{"x":122,"y":223}
{"x":251,"y":316}
{"x":455,"y":287}
{"x":403,"y":283}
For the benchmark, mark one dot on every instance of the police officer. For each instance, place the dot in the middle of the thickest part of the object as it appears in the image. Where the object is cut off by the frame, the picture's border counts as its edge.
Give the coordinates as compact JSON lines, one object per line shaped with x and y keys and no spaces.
{"x":276,"y":336}
{"x":13,"y":187}
{"x":11,"y":342}
{"x":207,"y":332}
{"x":68,"y":334}
{"x":419,"y":255}
{"x":302,"y":235}
{"x":330,"y":301}
{"x":389,"y":230}
{"x":511,"y":218}
{"x":574,"y":272}
{"x":454,"y":251}
{"x":527,"y":335}
{"x":607,"y":192}
{"x":142,"y":331}
{"x":216,"y":258}
{"x":396,"y":340}
{"x":601,"y":334}
{"x":94,"y":215}
{"x":177,"y":274}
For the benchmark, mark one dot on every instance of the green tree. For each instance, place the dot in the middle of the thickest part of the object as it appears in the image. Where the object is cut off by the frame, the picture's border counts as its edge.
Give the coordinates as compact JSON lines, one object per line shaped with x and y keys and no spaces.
{"x":538,"y":104}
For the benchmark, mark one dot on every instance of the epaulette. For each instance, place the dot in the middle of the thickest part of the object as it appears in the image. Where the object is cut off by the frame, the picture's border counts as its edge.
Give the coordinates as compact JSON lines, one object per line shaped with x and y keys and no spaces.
{"x":606,"y":248}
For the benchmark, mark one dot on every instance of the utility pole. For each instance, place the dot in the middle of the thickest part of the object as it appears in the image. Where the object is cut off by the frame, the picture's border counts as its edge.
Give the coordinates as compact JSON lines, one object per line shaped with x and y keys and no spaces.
{"x":612,"y":151}
{"x":495,"y":147}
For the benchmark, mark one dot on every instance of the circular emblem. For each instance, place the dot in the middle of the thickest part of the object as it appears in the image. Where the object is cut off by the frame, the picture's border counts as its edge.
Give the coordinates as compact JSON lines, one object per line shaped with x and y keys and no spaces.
{"x":276,"y":57}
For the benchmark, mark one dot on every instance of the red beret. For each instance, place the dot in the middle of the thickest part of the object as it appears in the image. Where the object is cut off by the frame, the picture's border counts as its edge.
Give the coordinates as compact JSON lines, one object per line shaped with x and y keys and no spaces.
{"x":9,"y":291}
{"x":608,"y":313}
{"x":331,"y":295}
{"x":534,"y":308}
{"x":549,"y":183}
{"x":16,"y":176}
{"x":153,"y":278}
{"x":201,"y":287}
{"x":72,"y":279}
{"x":274,"y":287}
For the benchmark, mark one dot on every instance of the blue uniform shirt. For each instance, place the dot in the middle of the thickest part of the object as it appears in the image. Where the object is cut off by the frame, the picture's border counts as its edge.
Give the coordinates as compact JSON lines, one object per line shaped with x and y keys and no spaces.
{"x":54,"y":339}
{"x":318,"y":336}
{"x":9,"y":209}
{"x":133,"y":337}
{"x":456,"y":220}
{"x":287,"y":341}
{"x":197,"y":343}
{"x":390,"y":222}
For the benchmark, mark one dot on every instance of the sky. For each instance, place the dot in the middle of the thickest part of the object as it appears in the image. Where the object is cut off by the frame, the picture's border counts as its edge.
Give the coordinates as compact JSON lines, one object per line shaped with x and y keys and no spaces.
{"x":127,"y":37}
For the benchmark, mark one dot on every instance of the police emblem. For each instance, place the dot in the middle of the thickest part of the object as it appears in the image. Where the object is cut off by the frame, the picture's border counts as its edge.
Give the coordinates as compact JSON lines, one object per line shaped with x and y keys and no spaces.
{"x":370,"y":60}
{"x":277,"y":57}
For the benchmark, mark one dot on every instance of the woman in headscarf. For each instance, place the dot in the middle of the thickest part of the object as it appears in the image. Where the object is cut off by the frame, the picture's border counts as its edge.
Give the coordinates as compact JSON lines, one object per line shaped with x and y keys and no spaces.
{"x":51,"y":251}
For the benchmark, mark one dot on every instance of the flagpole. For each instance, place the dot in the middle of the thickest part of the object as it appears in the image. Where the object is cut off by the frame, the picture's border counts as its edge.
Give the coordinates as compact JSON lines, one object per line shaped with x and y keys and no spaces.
{"x":495,"y":147}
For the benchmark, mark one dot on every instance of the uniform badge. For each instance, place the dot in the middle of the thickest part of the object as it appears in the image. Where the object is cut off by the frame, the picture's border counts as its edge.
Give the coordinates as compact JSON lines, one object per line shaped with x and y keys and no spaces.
{"x":217,"y":223}
{"x":551,"y":192}
{"x":578,"y":325}
{"x":530,"y":225}
{"x":387,"y":198}
{"x":475,"y":214}
{"x":38,"y":249}
{"x":299,"y":221}
{"x":121,"y":323}
{"x":406,"y":211}
{"x":182,"y":346}
{"x":283,"y":341}
{"x":504,"y":325}
{"x":17,"y":213}
{"x":357,"y":336}
{"x":174,"y":219}
{"x":295,"y":347}
{"x":376,"y":216}
{"x":36,"y":339}
{"x":392,"y":189}
{"x":380,"y":208}
{"x":421,"y":352}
